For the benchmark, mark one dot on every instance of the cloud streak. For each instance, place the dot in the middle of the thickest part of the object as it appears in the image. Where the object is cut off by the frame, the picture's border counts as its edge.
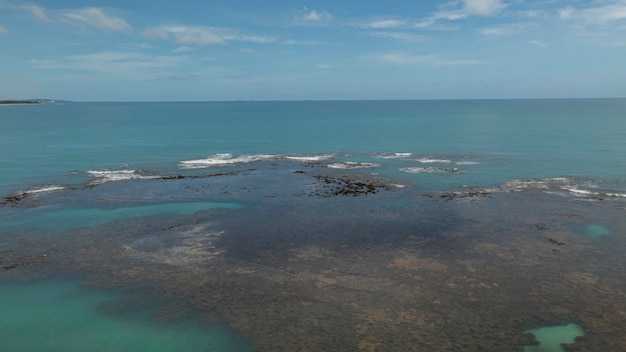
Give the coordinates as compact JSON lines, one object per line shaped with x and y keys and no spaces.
{"x":539,"y":43}
{"x":611,"y":12}
{"x":201,"y":35}
{"x":385,"y":24}
{"x":112,"y":63}
{"x":426,"y":60}
{"x":482,"y":7}
{"x":195,"y":35}
{"x":95,"y":17}
{"x":453,"y":11}
{"x":37,"y":11}
{"x":505,"y":29}
{"x":309,"y":17}
{"x":403,"y":36}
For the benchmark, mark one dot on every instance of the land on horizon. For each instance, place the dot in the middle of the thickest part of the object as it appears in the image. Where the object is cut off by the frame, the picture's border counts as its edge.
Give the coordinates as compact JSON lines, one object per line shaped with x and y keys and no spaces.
{"x":25,"y":101}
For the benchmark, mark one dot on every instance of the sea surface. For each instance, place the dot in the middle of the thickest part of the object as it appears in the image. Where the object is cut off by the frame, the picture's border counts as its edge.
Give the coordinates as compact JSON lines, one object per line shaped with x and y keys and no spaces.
{"x":478,"y":225}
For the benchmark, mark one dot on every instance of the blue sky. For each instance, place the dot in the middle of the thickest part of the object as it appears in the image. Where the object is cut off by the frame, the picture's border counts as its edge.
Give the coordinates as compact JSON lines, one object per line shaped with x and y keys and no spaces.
{"x":147,"y":50}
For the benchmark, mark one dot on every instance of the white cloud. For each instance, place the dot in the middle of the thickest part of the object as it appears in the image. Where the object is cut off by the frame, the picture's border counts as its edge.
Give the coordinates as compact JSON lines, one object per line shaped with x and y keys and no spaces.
{"x":483,"y":7}
{"x":39,"y":12}
{"x":459,"y":10}
{"x":312,"y":17}
{"x":3,"y":30}
{"x":323,"y":66}
{"x":200,"y":35}
{"x":611,"y":11}
{"x":249,"y":38}
{"x":94,"y":17}
{"x":566,"y":12}
{"x":300,"y":42}
{"x":426,"y":60}
{"x":183,"y":49}
{"x":532,"y":13}
{"x":196,"y":35}
{"x":91,"y":16}
{"x":246,"y":51}
{"x":409,"y":37}
{"x":317,"y":16}
{"x":505,"y":29}
{"x":390,"y":23}
{"x":539,"y":43}
{"x":452,"y":11}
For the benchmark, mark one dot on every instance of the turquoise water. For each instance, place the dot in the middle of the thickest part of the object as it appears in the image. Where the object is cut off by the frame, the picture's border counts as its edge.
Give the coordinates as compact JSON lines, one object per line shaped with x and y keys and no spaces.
{"x":64,"y":219}
{"x":596,"y":231}
{"x":551,"y":338}
{"x":63,"y":316}
{"x":86,"y":166}
{"x":510,"y":139}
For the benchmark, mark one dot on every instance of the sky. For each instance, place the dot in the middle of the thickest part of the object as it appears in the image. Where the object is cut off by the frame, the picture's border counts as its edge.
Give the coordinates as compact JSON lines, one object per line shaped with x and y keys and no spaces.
{"x":163,"y":50}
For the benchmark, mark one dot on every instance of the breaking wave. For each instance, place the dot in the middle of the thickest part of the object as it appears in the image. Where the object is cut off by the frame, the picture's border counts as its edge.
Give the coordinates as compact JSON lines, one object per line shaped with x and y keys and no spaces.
{"x":104,"y":176}
{"x":429,"y":169}
{"x":225,"y":159}
{"x":352,"y":165}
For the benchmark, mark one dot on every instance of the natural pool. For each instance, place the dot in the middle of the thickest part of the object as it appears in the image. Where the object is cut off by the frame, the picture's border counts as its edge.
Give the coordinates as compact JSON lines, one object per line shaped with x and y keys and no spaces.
{"x":551,"y":338}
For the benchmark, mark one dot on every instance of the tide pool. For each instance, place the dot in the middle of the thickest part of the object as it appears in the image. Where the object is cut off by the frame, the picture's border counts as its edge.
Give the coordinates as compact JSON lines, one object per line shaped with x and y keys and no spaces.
{"x":596,"y":231}
{"x":552,"y":337}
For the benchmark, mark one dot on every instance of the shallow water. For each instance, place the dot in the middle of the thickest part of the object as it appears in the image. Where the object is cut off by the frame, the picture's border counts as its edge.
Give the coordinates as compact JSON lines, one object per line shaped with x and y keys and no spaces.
{"x":59,"y":315}
{"x":596,"y":231}
{"x":304,"y":266}
{"x":56,"y":220}
{"x":552,"y":338}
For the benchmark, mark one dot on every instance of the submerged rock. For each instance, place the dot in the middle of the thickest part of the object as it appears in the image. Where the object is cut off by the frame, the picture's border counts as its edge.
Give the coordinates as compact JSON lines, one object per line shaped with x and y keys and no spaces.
{"x":348,"y":186}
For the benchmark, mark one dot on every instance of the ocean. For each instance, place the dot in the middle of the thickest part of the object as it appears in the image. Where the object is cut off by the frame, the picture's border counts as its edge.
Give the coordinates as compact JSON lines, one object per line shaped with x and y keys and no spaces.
{"x":487,"y":225}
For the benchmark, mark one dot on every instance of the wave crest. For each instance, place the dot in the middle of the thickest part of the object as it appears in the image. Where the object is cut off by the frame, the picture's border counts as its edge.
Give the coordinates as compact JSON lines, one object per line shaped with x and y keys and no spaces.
{"x":347,"y":165}
{"x":225,"y":159}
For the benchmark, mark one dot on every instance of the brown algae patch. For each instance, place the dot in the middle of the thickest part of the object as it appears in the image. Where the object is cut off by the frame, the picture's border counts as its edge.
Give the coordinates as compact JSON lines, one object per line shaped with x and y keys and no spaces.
{"x":417,"y":264}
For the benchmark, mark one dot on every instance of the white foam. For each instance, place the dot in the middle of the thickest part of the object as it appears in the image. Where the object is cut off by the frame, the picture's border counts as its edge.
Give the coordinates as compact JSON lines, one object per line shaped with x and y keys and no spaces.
{"x":103,"y":176}
{"x":560,"y":186}
{"x":394,"y":155}
{"x":467,"y":163}
{"x":581,"y":192}
{"x":43,"y":189}
{"x":431,"y":160}
{"x":558,"y":179}
{"x":311,"y":157}
{"x":352,"y":165}
{"x":428,"y":169}
{"x":521,"y":184}
{"x":226,"y":159}
{"x":618,"y":195}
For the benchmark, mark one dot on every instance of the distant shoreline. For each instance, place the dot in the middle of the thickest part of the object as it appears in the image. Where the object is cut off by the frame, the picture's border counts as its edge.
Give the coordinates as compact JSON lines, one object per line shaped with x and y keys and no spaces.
{"x":21,"y":102}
